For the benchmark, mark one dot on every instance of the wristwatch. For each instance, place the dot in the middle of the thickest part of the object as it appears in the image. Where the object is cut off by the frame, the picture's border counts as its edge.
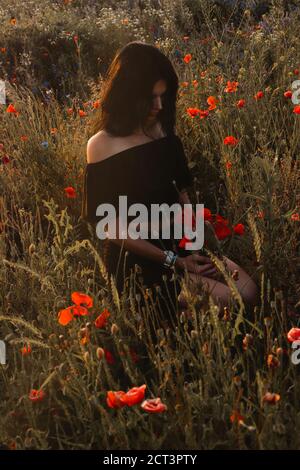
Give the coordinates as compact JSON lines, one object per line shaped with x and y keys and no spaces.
{"x":170,"y":258}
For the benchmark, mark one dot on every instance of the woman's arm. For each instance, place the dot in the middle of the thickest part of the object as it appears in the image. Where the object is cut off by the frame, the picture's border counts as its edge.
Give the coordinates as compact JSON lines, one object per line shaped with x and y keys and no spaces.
{"x":143,"y":248}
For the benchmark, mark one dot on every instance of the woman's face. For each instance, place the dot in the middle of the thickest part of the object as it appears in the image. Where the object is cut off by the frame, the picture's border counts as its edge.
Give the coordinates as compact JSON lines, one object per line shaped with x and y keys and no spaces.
{"x":158,"y":91}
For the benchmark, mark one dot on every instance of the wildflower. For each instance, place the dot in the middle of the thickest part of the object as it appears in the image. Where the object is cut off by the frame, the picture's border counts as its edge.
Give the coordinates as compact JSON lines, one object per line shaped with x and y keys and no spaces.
{"x":70,"y":192}
{"x":5,"y":159}
{"x":36,"y":395}
{"x":236,"y":417}
{"x":247,"y":341}
{"x":185,"y":38}
{"x":259,"y":95}
{"x":212,"y":102}
{"x":184,"y":84}
{"x":221,"y":227}
{"x":240,"y":103}
{"x":193,"y":112}
{"x":53,"y":130}
{"x":24,"y":138}
{"x":70,"y":111}
{"x":296,"y":109}
{"x":203,"y":74}
{"x":67,"y":314}
{"x":45,"y":144}
{"x":231,"y":87}
{"x":75,"y":39}
{"x":187,"y":58}
{"x":203,"y":114}
{"x":272,"y":361}
{"x":96,"y":104}
{"x":13,"y":21}
{"x":293,"y":335}
{"x":261,"y":214}
{"x":135,"y":395}
{"x":228,"y":165}
{"x":296,"y":71}
{"x":109,"y":357}
{"x":195,"y":83}
{"x":271,"y":398}
{"x":134,"y":356}
{"x":239,"y":229}
{"x":82,"y":113}
{"x":82,"y":299}
{"x":230,"y":140}
{"x":11,"y":109}
{"x":295,"y":216}
{"x":26,"y":350}
{"x":114,"y":399}
{"x":288,"y":94}
{"x":153,"y":405}
{"x":101,"y":320}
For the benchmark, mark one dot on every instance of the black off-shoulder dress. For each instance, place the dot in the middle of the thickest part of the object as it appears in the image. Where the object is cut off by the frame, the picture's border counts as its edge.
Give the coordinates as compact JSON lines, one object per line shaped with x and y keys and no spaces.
{"x":150,"y":173}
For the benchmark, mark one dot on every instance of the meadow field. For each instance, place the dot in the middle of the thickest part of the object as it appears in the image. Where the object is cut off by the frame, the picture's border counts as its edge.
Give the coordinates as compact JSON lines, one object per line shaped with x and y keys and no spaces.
{"x":101,"y":381}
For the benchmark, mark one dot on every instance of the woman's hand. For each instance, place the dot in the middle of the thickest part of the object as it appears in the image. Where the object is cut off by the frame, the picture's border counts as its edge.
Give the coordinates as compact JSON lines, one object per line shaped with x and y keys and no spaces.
{"x":197,"y":264}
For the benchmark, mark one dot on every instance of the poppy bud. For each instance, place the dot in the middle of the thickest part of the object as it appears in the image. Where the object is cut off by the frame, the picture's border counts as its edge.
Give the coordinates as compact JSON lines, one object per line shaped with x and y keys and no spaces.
{"x":100,"y":353}
{"x":31,"y":249}
{"x":114,"y":329}
{"x":86,"y":356}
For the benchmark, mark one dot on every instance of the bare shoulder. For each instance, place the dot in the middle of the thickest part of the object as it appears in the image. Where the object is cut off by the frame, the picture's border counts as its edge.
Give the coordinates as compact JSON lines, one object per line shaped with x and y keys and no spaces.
{"x":97,"y":147}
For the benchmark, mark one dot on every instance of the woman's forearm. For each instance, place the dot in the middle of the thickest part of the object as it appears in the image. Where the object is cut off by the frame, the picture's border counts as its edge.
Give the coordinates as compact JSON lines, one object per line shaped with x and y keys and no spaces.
{"x":143,"y":248}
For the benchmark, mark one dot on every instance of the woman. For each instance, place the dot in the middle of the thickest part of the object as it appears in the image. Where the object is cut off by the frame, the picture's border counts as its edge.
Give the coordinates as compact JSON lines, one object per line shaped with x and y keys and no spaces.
{"x":135,"y":152}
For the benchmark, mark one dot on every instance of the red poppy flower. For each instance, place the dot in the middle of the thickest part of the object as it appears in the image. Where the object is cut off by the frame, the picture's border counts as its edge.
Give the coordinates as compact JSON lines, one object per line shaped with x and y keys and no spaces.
{"x":153,"y":405}
{"x":187,"y":58}
{"x":239,"y":229}
{"x":193,"y":111}
{"x":293,"y":335}
{"x":24,"y":138}
{"x":135,"y":395}
{"x":114,"y":399}
{"x":259,"y":95}
{"x":271,"y":398}
{"x":82,"y":113}
{"x":101,"y":320}
{"x":288,"y":94}
{"x":230,"y":140}
{"x":11,"y":109}
{"x":296,"y":109}
{"x":295,"y":216}
{"x":67,"y":314}
{"x":96,"y":104}
{"x":212,"y":102}
{"x":5,"y":159}
{"x":220,"y":225}
{"x":109,"y":357}
{"x":70,"y":192}
{"x":82,"y":299}
{"x":241,"y":103}
{"x":236,"y":417}
{"x":231,"y":87}
{"x":36,"y":395}
{"x":296,"y":71}
{"x":26,"y":350}
{"x":203,"y":114}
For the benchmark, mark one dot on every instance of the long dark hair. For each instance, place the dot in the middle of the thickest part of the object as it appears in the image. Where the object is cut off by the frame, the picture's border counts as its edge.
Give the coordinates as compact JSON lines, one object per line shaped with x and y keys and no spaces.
{"x":126,"y":94}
